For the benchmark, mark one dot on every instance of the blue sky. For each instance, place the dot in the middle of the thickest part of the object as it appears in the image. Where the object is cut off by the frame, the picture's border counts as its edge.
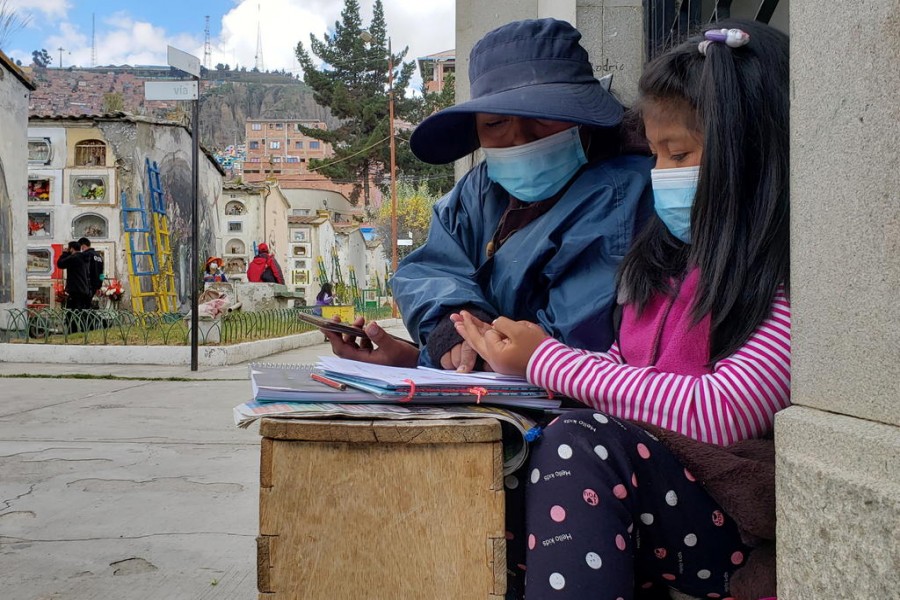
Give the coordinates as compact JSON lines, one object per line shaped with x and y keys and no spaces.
{"x":130,"y":32}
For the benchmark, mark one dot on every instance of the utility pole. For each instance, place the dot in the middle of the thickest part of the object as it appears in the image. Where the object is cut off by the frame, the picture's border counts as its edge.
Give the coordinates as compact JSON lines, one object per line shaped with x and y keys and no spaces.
{"x":393,"y":173}
{"x":60,"y":56}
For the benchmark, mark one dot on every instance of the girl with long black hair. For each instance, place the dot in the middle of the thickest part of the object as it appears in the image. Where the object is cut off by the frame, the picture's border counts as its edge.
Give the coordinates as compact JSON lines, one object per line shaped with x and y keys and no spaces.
{"x":616,"y":506}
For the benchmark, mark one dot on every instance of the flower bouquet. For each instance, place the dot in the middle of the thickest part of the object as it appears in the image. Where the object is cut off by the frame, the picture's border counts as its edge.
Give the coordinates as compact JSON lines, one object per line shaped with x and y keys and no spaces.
{"x":112,"y":290}
{"x":59,"y":291}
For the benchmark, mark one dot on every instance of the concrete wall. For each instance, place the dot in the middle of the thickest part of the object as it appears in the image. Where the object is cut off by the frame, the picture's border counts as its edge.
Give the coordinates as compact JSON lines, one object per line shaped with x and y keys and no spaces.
{"x":170,"y":146}
{"x":838,"y":483}
{"x":13,"y":177}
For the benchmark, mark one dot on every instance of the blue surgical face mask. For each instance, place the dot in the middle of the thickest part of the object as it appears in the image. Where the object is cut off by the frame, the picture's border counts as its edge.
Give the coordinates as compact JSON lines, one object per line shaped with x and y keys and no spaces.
{"x":673,"y":198}
{"x":537,"y":170}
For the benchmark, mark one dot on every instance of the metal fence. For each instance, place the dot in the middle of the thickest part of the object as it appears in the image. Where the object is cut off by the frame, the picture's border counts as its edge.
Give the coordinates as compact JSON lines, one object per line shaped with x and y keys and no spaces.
{"x":670,"y":22}
{"x":127,"y":328}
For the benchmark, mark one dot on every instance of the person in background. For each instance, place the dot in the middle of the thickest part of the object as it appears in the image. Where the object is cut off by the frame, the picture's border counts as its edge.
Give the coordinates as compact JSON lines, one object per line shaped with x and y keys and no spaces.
{"x":669,"y":480}
{"x":264,"y":268}
{"x":214,"y":272}
{"x":538,"y":229}
{"x":95,"y":266}
{"x":78,"y":287}
{"x":325,"y":297}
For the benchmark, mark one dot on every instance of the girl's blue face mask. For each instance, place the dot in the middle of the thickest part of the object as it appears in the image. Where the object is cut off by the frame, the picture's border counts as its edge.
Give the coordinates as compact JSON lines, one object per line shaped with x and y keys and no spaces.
{"x":673,"y":198}
{"x":539,"y":169}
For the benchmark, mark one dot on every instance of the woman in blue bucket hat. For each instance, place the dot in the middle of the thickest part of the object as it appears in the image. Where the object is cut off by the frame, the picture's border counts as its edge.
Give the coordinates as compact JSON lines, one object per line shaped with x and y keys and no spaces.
{"x":536,"y":231}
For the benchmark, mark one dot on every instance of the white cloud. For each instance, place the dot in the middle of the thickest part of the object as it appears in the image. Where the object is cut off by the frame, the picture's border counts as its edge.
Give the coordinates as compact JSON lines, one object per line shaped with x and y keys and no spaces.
{"x":426,"y":26}
{"x":49,"y":8}
{"x":120,"y":40}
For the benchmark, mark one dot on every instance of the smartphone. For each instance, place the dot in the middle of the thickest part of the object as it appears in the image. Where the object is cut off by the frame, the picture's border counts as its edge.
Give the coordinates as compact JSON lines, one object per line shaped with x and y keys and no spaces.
{"x":329,"y":325}
{"x":344,"y":328}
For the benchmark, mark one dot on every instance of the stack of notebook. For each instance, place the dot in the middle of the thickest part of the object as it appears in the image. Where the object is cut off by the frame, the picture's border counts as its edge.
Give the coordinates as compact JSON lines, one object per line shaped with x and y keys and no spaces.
{"x":345,"y":381}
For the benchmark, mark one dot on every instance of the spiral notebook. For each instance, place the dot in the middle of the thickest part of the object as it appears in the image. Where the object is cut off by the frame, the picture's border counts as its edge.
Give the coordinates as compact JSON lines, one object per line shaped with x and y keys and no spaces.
{"x":341,"y":381}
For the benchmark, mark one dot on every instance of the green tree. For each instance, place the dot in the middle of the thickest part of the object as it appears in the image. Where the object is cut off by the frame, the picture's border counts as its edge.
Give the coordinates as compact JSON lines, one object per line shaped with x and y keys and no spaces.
{"x":438,"y":178}
{"x":41,"y":58}
{"x":353,"y":83}
{"x":414,"y":210}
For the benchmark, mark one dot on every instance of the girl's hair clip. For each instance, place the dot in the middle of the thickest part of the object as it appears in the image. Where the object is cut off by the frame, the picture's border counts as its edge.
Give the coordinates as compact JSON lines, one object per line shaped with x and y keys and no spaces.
{"x":733,"y":38}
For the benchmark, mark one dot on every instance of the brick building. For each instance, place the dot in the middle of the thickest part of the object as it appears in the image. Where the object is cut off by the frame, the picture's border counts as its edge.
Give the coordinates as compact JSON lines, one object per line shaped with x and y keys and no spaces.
{"x":277,"y":148}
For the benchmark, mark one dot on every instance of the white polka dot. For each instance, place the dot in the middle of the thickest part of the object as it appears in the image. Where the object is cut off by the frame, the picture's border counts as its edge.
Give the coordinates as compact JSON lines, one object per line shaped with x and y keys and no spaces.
{"x":601,"y":451}
{"x":704,"y":574}
{"x":690,"y":540}
{"x":557,"y":581}
{"x":511,"y":482}
{"x":593,"y":560}
{"x":601,"y":418}
{"x":564,"y":451}
{"x":535,"y":475}
{"x":646,"y":518}
{"x":671,"y":498}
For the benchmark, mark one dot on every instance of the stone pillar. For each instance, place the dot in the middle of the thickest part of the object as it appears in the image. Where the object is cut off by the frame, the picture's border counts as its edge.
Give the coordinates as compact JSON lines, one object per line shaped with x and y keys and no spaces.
{"x":838,"y":448}
{"x":614,"y":37}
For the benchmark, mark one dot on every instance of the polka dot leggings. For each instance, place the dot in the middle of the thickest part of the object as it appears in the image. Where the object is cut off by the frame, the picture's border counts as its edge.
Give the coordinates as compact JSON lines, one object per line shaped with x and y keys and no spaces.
{"x":610,"y":513}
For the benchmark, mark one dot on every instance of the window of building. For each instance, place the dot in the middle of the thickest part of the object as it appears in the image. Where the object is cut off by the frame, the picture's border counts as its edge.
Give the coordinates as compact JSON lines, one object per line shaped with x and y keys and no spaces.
{"x":271,"y":125}
{"x":235,"y":226}
{"x":39,"y":189}
{"x":234,"y":208}
{"x":293,"y":159}
{"x":315,"y":145}
{"x":40,"y":261}
{"x":256,"y":126}
{"x":40,"y":224}
{"x":89,"y":189}
{"x":91,"y":226}
{"x":298,"y":145}
{"x":254,"y":145}
{"x":303,"y":160}
{"x":39,"y":151}
{"x":235,"y":247}
{"x":276,"y":159}
{"x":274,"y":145}
{"x":90,"y":153}
{"x":279,"y":125}
{"x":300,"y":212}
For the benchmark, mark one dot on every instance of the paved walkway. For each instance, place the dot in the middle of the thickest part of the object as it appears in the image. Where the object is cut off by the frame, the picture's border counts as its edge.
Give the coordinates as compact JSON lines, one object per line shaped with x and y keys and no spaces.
{"x":128,"y":489}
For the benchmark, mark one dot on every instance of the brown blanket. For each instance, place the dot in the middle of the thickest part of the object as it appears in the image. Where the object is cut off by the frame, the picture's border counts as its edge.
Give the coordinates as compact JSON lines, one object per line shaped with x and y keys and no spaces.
{"x":741,"y":478}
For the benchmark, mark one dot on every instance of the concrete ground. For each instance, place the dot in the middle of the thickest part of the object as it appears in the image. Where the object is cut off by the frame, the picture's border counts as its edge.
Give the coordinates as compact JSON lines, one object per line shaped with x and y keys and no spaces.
{"x":128,"y":489}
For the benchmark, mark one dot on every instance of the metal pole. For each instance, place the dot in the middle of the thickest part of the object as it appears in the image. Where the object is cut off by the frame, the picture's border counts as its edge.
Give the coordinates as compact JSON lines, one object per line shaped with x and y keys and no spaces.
{"x":195,"y":225}
{"x":393,"y":174}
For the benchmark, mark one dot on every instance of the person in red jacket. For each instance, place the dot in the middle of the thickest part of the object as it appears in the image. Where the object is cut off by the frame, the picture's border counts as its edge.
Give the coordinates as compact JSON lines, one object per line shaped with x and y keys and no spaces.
{"x":264,"y":268}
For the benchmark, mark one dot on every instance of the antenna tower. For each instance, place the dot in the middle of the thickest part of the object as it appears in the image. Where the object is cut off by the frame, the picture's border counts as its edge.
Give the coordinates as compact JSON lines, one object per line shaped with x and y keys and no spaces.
{"x":260,"y":65}
{"x":207,"y":48}
{"x":93,"y":40}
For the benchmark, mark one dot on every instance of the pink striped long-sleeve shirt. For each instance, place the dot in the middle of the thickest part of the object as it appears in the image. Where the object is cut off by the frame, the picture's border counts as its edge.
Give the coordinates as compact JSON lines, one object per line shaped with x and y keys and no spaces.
{"x":736,"y":400}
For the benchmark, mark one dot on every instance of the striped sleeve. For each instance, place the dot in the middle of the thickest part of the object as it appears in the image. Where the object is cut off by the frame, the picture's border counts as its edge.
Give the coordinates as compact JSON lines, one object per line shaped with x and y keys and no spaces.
{"x":737,"y":401}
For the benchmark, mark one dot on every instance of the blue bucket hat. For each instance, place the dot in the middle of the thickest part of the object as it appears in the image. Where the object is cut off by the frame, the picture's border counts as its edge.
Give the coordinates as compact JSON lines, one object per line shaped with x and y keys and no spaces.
{"x":534,"y":68}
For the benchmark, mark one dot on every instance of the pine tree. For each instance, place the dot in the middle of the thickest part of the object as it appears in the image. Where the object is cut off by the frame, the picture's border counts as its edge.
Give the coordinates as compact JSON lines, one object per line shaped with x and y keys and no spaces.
{"x":353,"y":83}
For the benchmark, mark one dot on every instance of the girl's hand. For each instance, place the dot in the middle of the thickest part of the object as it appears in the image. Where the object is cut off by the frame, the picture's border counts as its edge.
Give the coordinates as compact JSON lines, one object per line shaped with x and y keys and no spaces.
{"x":389,"y":351}
{"x":507,"y":346}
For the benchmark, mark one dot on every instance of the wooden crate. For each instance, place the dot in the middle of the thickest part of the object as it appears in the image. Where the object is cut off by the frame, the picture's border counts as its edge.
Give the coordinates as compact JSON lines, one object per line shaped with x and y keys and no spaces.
{"x":381,"y":510}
